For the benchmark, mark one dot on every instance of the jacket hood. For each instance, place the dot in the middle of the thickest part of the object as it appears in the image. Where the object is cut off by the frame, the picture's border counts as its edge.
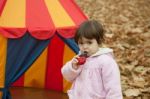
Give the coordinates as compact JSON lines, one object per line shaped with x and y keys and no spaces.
{"x":103,"y":51}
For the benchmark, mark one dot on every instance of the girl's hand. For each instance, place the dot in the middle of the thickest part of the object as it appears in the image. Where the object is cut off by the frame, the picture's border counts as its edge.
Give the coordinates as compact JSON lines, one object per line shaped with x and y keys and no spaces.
{"x":78,"y":60}
{"x":75,"y":63}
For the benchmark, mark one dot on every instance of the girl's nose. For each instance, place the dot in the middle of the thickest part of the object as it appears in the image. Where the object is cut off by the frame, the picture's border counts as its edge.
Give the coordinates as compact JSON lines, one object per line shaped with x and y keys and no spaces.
{"x":85,"y":46}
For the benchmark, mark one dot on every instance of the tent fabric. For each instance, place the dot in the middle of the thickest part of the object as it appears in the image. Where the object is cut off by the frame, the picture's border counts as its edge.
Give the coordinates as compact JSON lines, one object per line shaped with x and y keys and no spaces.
{"x":71,"y":43}
{"x":2,"y":4}
{"x":3,"y":47}
{"x":36,"y":38}
{"x":42,"y":18}
{"x":20,"y":59}
{"x":23,"y":55}
{"x":44,"y":72}
{"x":47,"y":67}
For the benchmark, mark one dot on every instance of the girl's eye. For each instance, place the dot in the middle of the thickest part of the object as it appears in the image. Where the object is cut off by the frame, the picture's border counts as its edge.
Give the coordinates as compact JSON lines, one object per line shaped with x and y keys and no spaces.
{"x":80,"y":43}
{"x":89,"y":42}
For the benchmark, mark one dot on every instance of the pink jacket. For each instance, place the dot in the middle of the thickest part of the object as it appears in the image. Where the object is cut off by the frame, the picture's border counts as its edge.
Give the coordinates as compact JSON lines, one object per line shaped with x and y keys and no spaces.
{"x":98,"y":78}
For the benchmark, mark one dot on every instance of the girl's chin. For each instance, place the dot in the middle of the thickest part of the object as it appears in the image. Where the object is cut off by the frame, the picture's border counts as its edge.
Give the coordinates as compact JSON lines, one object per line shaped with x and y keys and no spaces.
{"x":88,"y":54}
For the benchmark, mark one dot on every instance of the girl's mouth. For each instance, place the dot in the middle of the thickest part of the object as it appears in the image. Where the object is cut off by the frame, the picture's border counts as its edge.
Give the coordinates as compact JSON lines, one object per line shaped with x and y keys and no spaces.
{"x":84,"y":53}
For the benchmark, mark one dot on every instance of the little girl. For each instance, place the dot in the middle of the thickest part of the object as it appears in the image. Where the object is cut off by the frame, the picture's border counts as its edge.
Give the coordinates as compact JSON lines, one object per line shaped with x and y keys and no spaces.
{"x":99,"y":76}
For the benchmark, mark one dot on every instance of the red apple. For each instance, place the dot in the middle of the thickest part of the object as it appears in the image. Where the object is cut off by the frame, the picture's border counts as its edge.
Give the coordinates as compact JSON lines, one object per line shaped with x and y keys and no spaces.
{"x":81,"y":60}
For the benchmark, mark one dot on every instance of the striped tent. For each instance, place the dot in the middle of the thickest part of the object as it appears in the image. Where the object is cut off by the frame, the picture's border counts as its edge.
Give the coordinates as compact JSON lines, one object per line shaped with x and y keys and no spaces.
{"x":36,"y":39}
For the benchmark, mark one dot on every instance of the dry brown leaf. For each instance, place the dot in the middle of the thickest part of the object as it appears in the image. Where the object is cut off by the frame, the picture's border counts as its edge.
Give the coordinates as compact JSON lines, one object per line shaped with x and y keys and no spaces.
{"x":140,"y":69}
{"x":132,"y":92}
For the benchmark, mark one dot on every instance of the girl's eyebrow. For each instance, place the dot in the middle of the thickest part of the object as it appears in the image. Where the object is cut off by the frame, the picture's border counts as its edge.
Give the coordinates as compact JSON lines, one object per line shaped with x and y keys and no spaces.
{"x":88,"y":40}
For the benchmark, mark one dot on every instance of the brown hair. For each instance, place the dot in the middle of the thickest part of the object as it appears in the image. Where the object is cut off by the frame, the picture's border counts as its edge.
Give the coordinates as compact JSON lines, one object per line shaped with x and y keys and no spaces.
{"x":90,"y":29}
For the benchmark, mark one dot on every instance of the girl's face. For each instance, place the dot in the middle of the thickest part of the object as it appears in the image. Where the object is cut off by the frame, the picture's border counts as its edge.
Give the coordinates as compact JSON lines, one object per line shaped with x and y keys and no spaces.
{"x":89,"y":45}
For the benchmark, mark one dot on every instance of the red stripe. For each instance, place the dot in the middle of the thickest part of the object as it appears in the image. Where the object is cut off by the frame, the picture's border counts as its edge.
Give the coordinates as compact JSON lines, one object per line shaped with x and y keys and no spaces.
{"x":19,"y":82}
{"x":67,"y":32}
{"x":39,"y":22}
{"x":74,"y":11}
{"x":54,"y":79}
{"x":12,"y":32}
{"x":2,"y":4}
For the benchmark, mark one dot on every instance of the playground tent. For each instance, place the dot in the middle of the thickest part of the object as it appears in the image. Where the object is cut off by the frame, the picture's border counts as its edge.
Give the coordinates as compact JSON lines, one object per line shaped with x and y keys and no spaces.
{"x":36,"y":38}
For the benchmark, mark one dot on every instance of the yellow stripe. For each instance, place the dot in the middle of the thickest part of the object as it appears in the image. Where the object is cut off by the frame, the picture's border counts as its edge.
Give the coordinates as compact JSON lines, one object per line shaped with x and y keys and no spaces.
{"x":58,"y":14}
{"x":68,"y":55}
{"x":3,"y":49}
{"x":13,"y":14}
{"x":35,"y":76}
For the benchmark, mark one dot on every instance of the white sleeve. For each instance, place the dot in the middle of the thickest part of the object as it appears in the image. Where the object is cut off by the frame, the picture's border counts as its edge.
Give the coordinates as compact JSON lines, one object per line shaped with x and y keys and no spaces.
{"x":69,"y":73}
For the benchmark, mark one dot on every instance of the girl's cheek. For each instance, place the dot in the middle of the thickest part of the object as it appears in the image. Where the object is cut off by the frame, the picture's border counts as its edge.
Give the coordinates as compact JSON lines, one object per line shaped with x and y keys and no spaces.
{"x":80,"y":47}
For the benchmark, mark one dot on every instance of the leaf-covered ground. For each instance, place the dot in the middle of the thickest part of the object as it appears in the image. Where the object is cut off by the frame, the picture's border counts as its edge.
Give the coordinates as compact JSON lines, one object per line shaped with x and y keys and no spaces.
{"x":127,"y":24}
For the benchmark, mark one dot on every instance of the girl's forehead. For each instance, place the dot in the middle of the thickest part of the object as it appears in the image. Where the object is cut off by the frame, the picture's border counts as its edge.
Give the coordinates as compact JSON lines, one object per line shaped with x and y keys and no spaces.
{"x":85,"y":39}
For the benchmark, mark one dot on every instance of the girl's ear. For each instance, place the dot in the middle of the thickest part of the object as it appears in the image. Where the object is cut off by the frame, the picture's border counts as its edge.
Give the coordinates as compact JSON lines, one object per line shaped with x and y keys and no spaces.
{"x":99,"y":42}
{"x":103,"y":45}
{"x":100,"y":45}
